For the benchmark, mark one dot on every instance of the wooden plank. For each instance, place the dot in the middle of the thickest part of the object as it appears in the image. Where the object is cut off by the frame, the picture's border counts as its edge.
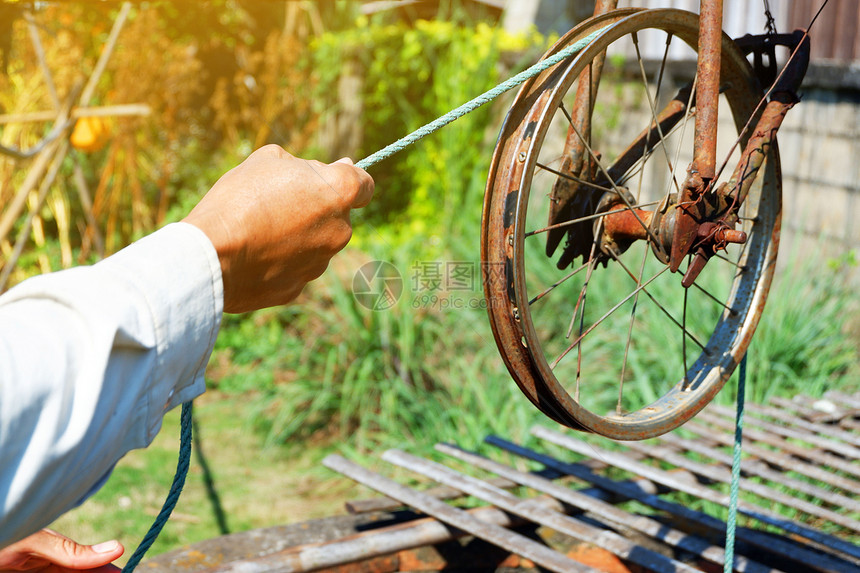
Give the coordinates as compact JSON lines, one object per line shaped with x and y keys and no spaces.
{"x":818,"y":429}
{"x":811,"y":414}
{"x":779,"y":459}
{"x":660,"y":476}
{"x":754,"y":467}
{"x":842,"y":398}
{"x":812,"y":454}
{"x":605,"y":539}
{"x":813,"y":560}
{"x":458,"y":518}
{"x":724,"y":475}
{"x":607,"y":512}
{"x":120,"y":110}
{"x":837,"y":447}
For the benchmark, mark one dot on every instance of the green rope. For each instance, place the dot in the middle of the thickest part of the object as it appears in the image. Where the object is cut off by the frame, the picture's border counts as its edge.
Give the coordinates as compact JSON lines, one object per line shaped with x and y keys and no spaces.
{"x":388,"y":151}
{"x":731,"y":522}
{"x":173,"y":494}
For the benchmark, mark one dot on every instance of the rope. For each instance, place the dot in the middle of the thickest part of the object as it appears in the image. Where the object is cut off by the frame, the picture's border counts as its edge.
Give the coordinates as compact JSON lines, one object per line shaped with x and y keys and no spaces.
{"x":173,"y":495}
{"x":388,"y":151}
{"x":731,"y":522}
{"x":477,"y":102}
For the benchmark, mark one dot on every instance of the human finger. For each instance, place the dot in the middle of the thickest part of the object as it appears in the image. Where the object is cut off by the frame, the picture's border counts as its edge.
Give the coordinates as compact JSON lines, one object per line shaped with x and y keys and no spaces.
{"x":65,"y":553}
{"x":364,"y":184}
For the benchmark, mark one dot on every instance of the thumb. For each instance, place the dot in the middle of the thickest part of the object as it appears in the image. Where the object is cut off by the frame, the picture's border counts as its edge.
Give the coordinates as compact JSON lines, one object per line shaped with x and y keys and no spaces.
{"x":346,"y":160}
{"x":64,"y":552}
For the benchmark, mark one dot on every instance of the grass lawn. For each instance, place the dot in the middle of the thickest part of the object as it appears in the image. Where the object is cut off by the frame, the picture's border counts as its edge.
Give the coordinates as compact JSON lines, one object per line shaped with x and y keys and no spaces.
{"x":257,"y":486}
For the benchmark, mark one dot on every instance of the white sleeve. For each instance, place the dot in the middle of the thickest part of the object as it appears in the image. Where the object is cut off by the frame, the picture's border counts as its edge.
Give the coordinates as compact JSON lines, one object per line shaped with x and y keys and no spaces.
{"x":91,"y":359}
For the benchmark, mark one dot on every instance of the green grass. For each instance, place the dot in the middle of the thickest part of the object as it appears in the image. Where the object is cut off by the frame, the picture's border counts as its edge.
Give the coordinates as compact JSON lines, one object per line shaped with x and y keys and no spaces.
{"x":257,"y":486}
{"x":290,"y":385}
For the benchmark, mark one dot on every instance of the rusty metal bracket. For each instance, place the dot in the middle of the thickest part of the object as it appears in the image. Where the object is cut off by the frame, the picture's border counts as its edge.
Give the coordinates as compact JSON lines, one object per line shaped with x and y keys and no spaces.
{"x":765,"y":45}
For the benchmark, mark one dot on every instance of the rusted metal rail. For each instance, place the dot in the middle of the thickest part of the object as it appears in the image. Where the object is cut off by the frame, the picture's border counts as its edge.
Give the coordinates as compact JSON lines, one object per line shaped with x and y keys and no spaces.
{"x":794,"y":461}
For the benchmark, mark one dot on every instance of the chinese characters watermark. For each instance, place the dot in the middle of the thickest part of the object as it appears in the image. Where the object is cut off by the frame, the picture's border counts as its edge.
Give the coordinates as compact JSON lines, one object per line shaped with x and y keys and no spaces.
{"x":439,"y":285}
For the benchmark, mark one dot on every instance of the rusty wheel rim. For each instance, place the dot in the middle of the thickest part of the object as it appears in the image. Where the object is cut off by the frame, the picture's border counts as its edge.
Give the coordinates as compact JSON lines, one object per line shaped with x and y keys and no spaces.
{"x":510,"y":261}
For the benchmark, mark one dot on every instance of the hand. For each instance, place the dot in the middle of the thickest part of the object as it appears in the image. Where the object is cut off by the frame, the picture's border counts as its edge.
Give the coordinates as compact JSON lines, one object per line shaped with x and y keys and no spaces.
{"x":276,"y":221}
{"x":50,"y":552}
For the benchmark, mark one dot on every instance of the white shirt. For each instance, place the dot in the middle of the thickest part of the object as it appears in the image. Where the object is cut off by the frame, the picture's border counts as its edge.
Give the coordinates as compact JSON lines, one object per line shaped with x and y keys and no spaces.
{"x":91,"y":358}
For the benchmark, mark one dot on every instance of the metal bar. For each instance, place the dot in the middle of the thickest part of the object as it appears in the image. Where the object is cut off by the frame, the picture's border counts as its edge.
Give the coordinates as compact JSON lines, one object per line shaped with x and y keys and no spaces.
{"x":814,"y":560}
{"x":87,"y":206}
{"x":778,"y":459}
{"x":602,"y":510}
{"x":815,"y":428}
{"x":755,"y":467}
{"x":40,"y":165}
{"x":661,"y":476}
{"x":567,"y":525}
{"x":458,"y":518}
{"x":842,"y":449}
{"x":369,"y":544}
{"x":444,"y":492}
{"x":43,"y":62}
{"x":58,"y":154}
{"x":834,"y":462}
{"x":723,"y":475}
{"x":708,"y":88}
{"x":383,"y":503}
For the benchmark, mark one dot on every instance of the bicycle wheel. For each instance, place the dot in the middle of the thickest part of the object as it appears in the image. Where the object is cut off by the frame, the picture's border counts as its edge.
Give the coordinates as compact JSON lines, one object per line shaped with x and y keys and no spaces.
{"x":591,"y":324}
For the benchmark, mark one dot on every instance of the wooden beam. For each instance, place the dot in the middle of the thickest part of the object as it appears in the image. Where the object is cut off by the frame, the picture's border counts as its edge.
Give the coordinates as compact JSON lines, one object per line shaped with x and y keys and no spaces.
{"x":121,"y":110}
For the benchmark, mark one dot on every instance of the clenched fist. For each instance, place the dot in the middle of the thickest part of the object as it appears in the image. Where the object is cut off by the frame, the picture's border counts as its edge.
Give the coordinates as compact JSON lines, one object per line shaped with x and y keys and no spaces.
{"x":276,"y":221}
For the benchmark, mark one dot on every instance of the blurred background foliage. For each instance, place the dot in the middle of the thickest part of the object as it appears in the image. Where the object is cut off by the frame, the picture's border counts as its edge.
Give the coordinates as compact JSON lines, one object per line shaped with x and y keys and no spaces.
{"x":223,"y":77}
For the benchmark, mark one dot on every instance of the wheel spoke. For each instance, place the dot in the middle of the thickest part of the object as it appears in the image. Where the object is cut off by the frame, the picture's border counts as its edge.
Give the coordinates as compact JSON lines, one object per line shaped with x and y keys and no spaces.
{"x":639,"y":165}
{"x":576,"y":342}
{"x":707,"y":293}
{"x":556,"y":284}
{"x":587,"y":218}
{"x":630,"y":329}
{"x":580,"y":307}
{"x":687,"y":117}
{"x":651,"y":103}
{"x":615,"y":187}
{"x":731,"y":262}
{"x":657,"y":303}
{"x":572,"y":178}
{"x":684,"y":335}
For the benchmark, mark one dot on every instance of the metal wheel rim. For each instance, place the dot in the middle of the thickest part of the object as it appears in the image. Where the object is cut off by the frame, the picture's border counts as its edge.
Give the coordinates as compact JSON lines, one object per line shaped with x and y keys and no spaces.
{"x":748,"y":292}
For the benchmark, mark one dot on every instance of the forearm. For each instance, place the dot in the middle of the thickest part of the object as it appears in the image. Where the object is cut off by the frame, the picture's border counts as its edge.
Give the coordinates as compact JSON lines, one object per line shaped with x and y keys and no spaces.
{"x":90,"y":360}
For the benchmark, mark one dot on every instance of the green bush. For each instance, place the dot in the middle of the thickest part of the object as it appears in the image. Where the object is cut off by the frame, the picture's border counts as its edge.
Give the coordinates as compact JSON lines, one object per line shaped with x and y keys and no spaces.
{"x":410,"y":76}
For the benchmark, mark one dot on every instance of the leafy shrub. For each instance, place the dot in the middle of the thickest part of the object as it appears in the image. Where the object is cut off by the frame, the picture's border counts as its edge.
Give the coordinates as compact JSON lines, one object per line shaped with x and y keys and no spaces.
{"x":410,"y":76}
